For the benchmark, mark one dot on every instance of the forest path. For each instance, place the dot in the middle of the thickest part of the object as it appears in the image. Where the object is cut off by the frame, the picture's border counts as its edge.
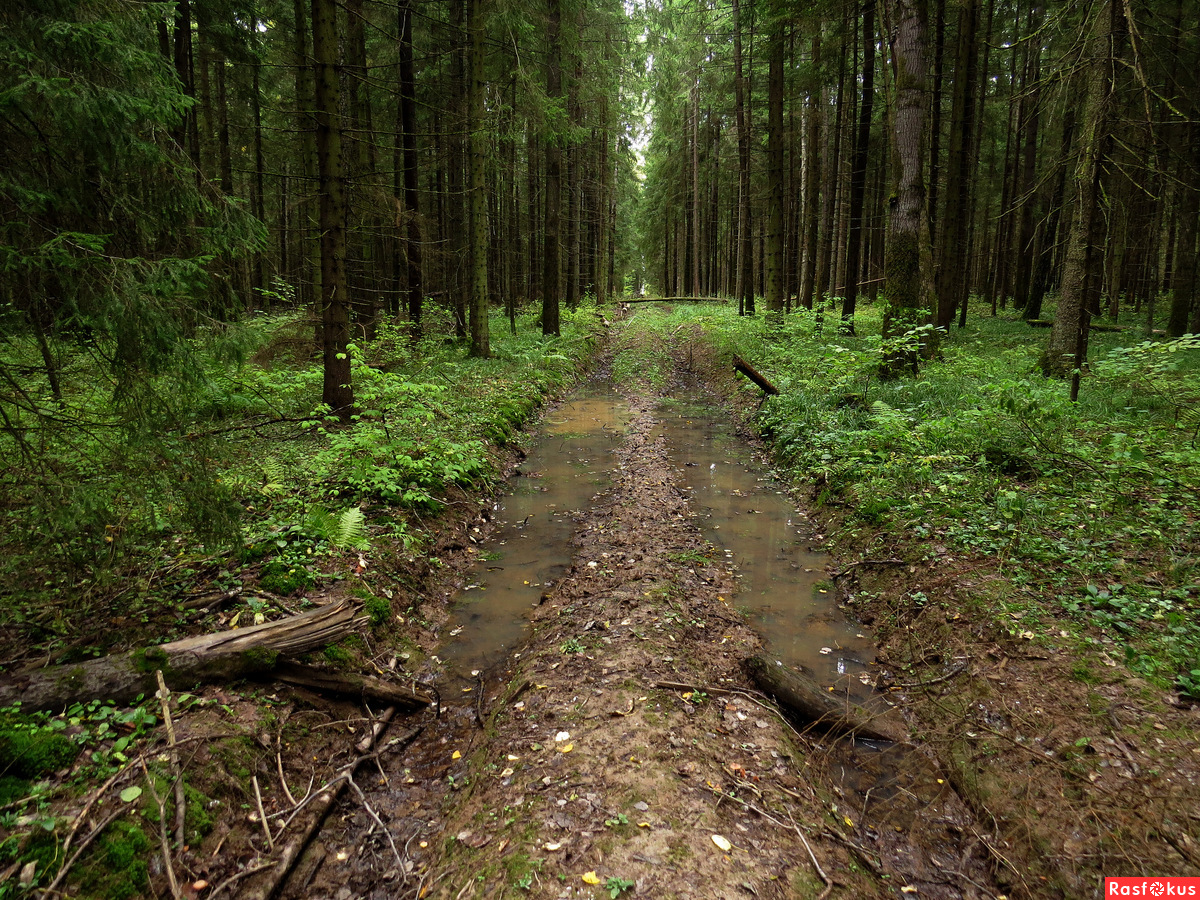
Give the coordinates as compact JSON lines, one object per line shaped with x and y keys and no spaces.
{"x":573,"y":771}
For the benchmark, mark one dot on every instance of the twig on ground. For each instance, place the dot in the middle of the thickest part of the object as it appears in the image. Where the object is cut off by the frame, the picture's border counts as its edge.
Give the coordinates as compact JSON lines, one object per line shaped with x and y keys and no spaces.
{"x":262,"y":814}
{"x":957,"y":670}
{"x":95,"y":795}
{"x":725,"y":795}
{"x":164,"y":696}
{"x":323,"y":800}
{"x":362,"y":798}
{"x":282,"y":780}
{"x":865,"y":562}
{"x":816,"y":865}
{"x":238,"y":876}
{"x":83,"y":845}
{"x":164,"y":840}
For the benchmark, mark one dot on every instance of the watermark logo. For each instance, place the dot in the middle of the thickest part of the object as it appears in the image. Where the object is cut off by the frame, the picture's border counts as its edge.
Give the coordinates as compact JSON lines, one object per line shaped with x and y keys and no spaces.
{"x":1165,"y":886}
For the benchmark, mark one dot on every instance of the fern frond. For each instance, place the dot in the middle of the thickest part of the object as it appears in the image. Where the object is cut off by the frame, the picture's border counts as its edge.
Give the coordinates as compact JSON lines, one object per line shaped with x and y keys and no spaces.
{"x":350,"y":529}
{"x":274,"y":476}
{"x":347,"y":528}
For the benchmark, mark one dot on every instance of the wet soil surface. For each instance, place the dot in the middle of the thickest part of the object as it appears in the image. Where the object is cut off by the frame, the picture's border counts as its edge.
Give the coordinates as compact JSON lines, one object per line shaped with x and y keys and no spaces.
{"x":622,"y":748}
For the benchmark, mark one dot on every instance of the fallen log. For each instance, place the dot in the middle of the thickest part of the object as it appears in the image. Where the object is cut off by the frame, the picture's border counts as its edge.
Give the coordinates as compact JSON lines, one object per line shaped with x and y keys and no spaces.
{"x":225,"y":656}
{"x":800,"y":695}
{"x":750,"y":372}
{"x":348,"y":684}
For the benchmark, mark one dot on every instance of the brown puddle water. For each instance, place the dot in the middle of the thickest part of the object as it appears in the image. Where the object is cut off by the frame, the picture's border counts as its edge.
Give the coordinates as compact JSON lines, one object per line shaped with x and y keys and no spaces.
{"x":531,"y":546}
{"x":747,"y":517}
{"x":752,"y":522}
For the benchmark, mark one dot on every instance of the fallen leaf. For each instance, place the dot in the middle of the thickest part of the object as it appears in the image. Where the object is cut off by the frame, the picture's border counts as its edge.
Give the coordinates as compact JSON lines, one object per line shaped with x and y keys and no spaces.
{"x":643,"y":824}
{"x":131,"y":793}
{"x":566,"y":748}
{"x":512,"y":758}
{"x":908,"y":889}
{"x":722,"y":842}
{"x":506,"y":772}
{"x":590,"y":878}
{"x":456,"y":755}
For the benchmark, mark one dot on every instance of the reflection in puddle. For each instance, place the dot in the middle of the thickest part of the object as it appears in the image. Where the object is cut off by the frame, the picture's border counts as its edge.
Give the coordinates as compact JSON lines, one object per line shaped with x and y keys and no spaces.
{"x":756,"y":527}
{"x":531,"y":546}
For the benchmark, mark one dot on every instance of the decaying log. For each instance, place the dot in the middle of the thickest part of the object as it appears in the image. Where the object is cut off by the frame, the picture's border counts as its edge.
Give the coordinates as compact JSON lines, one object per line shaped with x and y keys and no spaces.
{"x":805,"y":699}
{"x":349,"y":685}
{"x":225,"y":656}
{"x":750,"y":372}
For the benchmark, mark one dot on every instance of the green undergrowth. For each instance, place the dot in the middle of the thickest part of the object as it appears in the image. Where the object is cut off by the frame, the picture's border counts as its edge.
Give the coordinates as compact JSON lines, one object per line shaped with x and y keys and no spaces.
{"x":293,"y":485}
{"x":1088,"y":509}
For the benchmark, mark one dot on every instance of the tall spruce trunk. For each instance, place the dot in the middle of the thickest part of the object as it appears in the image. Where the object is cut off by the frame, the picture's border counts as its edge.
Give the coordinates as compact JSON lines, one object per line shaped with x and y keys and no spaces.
{"x":408,"y":133}
{"x":1067,"y":349}
{"x":775,"y":184}
{"x":953,"y":248}
{"x":745,"y":264}
{"x":550,"y":256}
{"x":337,"y":392}
{"x":812,"y":179}
{"x":858,"y":171}
{"x":908,"y":285}
{"x":480,"y":338}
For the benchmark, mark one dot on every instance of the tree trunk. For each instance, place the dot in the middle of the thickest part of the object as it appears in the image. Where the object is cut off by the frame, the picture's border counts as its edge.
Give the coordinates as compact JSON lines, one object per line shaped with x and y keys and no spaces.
{"x":408,"y":132}
{"x":554,"y":93}
{"x":1185,"y":312}
{"x":953,"y":248}
{"x":907,"y":269}
{"x":1026,"y":195}
{"x":337,"y":392}
{"x":812,"y":179}
{"x":775,"y":185}
{"x":858,"y":171}
{"x":745,"y":270}
{"x":1068,"y":339}
{"x":480,"y":338}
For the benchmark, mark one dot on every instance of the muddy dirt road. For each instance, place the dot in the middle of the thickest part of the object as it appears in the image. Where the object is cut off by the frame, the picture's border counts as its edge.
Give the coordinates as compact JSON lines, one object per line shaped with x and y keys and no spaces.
{"x":598,"y":734}
{"x":613,"y":745}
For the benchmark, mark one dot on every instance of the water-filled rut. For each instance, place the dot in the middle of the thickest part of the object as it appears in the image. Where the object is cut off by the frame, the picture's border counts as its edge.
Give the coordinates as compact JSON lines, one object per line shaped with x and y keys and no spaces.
{"x":759,"y":536}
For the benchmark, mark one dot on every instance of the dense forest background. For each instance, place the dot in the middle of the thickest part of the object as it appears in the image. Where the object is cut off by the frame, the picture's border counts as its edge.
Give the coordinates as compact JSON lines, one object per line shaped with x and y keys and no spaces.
{"x":171,"y":172}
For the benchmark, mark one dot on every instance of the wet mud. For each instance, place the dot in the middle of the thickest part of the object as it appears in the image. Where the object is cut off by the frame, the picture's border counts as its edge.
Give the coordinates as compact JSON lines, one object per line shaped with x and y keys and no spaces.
{"x":596,"y":730}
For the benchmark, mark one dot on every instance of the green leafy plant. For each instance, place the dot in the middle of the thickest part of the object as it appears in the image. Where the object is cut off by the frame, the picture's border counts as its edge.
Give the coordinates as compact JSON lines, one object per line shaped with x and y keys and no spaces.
{"x":347,"y":528}
{"x":571,"y":645}
{"x":617,"y":886}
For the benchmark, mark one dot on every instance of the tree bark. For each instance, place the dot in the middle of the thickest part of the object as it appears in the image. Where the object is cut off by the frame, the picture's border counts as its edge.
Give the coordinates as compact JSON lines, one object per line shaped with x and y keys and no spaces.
{"x":953,"y":248}
{"x":554,"y":93}
{"x":812,"y":179}
{"x":480,"y":338}
{"x":337,"y":392}
{"x":858,"y":171}
{"x":745,"y":265}
{"x":408,"y":132}
{"x":775,"y":184}
{"x":1067,"y":349}
{"x":907,"y":268}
